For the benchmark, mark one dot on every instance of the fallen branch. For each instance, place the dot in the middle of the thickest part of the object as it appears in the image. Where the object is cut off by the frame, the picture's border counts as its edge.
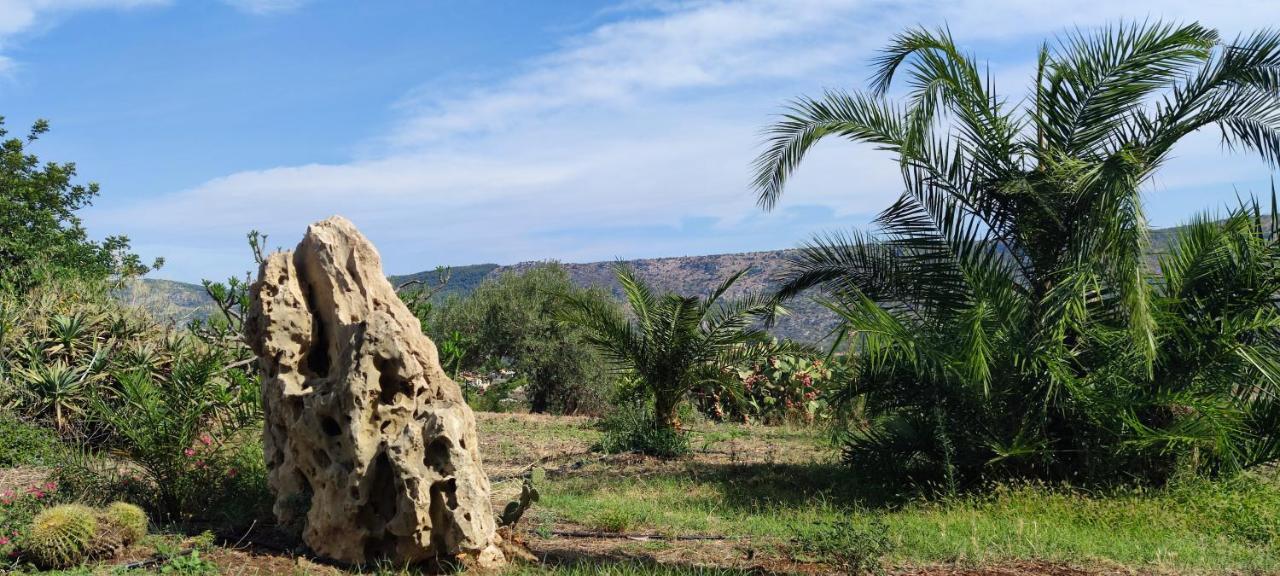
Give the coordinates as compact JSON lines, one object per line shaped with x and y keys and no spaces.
{"x":642,"y":537}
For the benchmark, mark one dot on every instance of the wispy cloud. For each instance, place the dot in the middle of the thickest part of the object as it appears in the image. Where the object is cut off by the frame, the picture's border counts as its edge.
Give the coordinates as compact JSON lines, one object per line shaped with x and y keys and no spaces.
{"x":649,"y":121}
{"x":266,"y":7}
{"x":25,"y":17}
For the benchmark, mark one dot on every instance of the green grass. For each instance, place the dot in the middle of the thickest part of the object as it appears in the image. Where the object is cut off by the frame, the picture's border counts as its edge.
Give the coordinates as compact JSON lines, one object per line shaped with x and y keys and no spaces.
{"x":1202,"y":526}
{"x":624,"y":568}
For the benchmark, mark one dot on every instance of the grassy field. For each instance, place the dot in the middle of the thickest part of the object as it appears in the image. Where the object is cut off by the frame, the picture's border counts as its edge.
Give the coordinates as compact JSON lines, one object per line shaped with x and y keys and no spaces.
{"x":757,"y":500}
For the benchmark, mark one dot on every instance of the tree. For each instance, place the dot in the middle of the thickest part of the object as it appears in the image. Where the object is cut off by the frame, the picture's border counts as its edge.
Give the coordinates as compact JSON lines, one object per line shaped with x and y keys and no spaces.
{"x":38,"y":223}
{"x":984,"y":307}
{"x":512,"y":321}
{"x":674,"y":343}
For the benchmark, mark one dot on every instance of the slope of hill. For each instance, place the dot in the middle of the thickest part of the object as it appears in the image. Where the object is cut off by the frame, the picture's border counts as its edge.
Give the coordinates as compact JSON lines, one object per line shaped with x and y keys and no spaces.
{"x":698,"y":275}
{"x":689,"y":275}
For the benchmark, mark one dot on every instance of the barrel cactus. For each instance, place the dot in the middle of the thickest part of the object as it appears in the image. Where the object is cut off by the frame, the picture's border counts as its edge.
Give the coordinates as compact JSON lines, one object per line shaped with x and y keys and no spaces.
{"x":61,"y":536}
{"x":127,"y":520}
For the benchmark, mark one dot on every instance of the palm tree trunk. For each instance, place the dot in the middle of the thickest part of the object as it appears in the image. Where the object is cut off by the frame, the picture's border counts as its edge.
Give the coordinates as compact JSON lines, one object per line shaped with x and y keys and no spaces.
{"x":664,"y":411}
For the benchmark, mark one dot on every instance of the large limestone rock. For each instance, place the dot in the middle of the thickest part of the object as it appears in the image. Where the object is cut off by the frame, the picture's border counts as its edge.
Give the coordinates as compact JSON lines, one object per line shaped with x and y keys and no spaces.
{"x":365,"y":435}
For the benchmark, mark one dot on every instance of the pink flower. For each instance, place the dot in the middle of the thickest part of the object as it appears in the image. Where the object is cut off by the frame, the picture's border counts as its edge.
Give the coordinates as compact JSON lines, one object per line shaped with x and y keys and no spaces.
{"x":189,"y":452}
{"x":199,"y":463}
{"x":3,"y":540}
{"x":231,"y":472}
{"x":206,"y":440}
{"x":51,"y":486}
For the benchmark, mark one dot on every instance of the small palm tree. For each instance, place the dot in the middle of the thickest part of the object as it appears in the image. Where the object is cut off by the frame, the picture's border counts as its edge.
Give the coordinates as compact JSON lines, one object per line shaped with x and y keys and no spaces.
{"x":674,"y":343}
{"x":981,"y":305}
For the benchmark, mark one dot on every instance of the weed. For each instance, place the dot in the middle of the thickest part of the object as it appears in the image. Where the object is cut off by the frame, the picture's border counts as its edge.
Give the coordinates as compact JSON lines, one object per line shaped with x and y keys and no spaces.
{"x":852,"y":546}
{"x":189,"y":565}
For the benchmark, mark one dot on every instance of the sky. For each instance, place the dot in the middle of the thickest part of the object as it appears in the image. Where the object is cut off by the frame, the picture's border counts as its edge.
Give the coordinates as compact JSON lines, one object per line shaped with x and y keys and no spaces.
{"x":456,"y":132}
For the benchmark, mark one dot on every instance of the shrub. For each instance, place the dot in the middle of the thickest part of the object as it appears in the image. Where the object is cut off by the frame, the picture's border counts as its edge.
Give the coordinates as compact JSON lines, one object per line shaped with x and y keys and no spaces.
{"x":853,"y":547}
{"x":61,"y":536}
{"x":23,"y":444}
{"x":178,"y":436}
{"x":512,"y":322}
{"x":631,"y":428}
{"x":674,"y":344}
{"x":17,"y":509}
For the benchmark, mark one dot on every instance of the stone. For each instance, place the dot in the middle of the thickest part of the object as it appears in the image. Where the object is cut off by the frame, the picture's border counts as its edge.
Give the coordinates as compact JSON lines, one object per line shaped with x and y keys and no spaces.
{"x":370,"y":448}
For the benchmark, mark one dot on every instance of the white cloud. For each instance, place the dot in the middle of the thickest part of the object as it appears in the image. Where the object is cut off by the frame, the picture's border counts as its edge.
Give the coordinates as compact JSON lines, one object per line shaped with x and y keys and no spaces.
{"x":25,"y":17}
{"x":647,"y":122}
{"x":266,"y":7}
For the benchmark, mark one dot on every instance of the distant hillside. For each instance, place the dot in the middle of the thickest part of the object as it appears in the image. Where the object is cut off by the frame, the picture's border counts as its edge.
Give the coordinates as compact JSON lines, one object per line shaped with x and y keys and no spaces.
{"x":462,"y":279}
{"x":689,"y":275}
{"x":168,"y":299}
{"x":698,"y":275}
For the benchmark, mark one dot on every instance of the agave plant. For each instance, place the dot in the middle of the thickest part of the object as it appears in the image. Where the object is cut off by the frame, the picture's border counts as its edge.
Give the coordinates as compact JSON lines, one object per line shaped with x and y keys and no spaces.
{"x":71,"y":330}
{"x":981,"y":306}
{"x":55,"y":390}
{"x":674,"y":343}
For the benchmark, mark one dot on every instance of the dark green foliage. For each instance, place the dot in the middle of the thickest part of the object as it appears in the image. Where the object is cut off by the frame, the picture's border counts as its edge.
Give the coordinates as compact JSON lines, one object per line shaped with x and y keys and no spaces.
{"x":180,"y":434}
{"x":1004,"y":318}
{"x":25,"y":444}
{"x":631,"y":427}
{"x":513,"y":322}
{"x":39,"y":229}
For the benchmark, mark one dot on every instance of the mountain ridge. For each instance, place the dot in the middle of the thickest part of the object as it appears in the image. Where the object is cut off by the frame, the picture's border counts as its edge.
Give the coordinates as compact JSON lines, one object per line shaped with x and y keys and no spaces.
{"x":687,"y":275}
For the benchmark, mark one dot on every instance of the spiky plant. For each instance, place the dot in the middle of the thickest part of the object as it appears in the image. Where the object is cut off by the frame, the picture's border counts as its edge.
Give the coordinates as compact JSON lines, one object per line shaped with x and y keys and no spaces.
{"x":56,"y":390}
{"x":1012,"y":267}
{"x":61,"y":536}
{"x":119,"y":526}
{"x":674,"y":343}
{"x":127,"y":520}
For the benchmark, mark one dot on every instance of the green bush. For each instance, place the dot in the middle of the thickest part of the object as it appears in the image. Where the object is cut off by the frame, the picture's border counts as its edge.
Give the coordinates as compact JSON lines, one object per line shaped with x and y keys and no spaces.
{"x":61,"y":537}
{"x":23,"y":444}
{"x":631,"y":427}
{"x":179,"y":437}
{"x":852,"y":546}
{"x":512,"y":322}
{"x":17,"y":509}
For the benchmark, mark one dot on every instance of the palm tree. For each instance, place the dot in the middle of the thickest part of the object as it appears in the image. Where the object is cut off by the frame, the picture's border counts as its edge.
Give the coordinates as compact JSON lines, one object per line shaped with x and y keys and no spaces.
{"x":674,"y":343}
{"x":1213,"y":395}
{"x":978,"y":305}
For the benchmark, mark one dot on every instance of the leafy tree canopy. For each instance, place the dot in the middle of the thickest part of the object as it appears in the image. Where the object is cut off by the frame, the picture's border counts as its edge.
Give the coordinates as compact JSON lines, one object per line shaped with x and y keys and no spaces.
{"x":39,"y":228}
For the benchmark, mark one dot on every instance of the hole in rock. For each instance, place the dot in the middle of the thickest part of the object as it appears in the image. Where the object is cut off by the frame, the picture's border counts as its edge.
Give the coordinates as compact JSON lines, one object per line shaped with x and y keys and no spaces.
{"x":437,"y":456}
{"x":330,"y":426}
{"x":316,"y":360}
{"x":322,"y":458}
{"x":448,"y":489}
{"x":381,"y":507}
{"x":389,"y":382}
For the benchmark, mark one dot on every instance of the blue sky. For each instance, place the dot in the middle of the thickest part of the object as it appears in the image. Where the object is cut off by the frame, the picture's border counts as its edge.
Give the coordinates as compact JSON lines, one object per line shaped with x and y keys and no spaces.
{"x":457,"y":132}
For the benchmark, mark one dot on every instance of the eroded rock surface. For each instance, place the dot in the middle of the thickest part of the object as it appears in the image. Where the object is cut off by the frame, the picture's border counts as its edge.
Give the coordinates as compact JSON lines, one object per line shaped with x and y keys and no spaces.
{"x":369,"y":445}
